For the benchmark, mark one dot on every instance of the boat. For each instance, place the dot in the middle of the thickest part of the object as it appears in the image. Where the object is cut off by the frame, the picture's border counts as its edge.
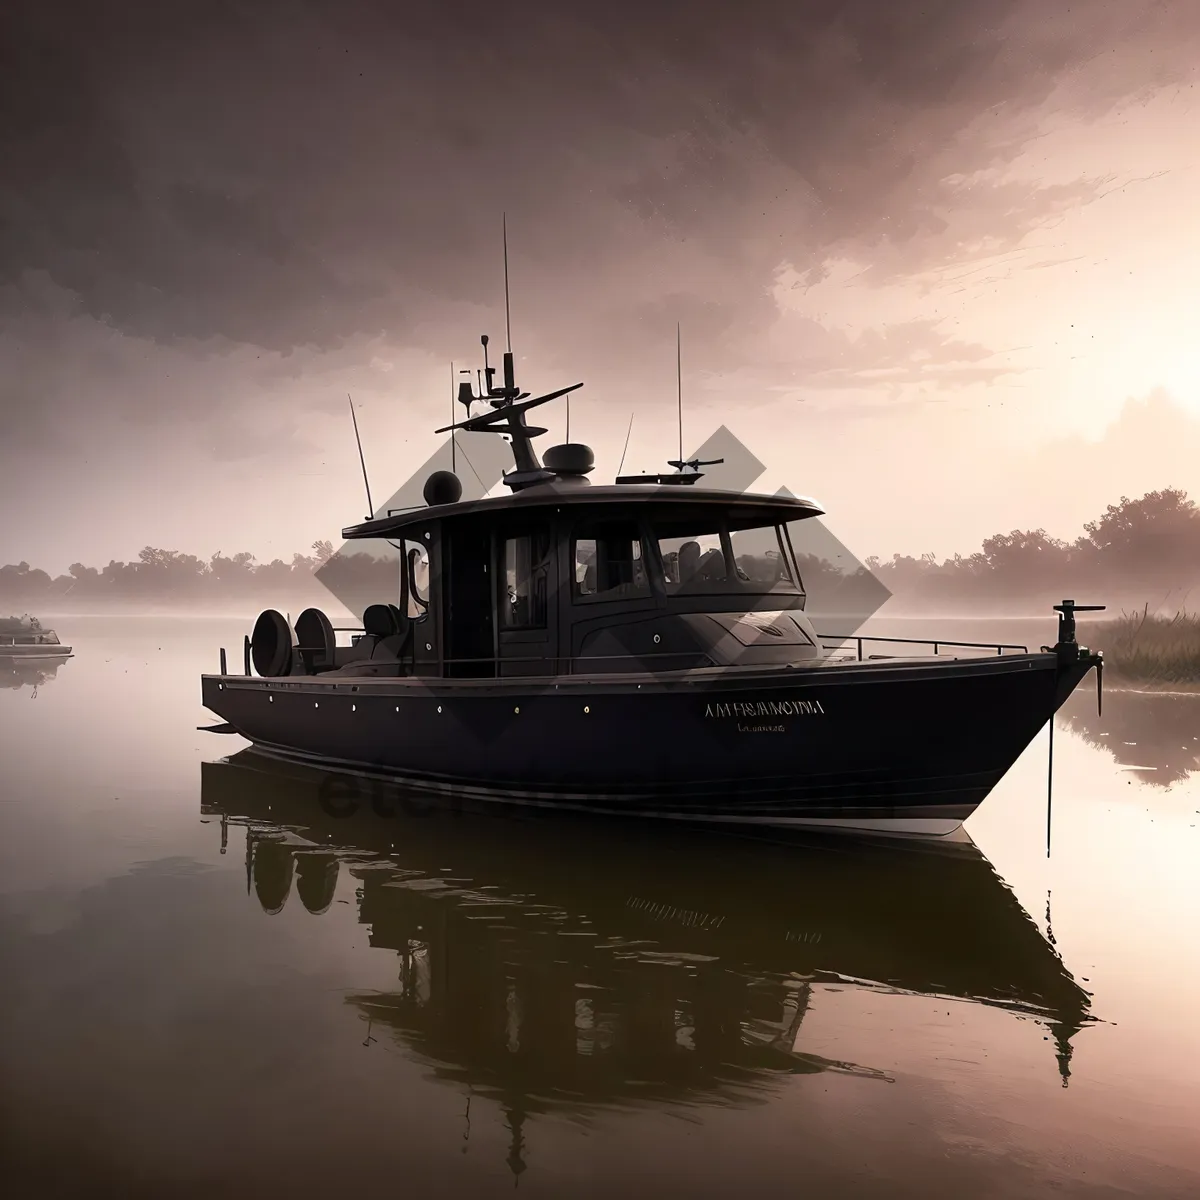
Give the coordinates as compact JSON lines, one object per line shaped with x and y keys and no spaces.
{"x":634,"y":648}
{"x":24,"y":638}
{"x":570,"y":965}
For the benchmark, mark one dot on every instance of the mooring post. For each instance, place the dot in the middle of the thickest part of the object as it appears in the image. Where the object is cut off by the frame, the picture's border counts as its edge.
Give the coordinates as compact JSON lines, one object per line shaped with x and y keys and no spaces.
{"x":1049,"y":784}
{"x":246,"y":652}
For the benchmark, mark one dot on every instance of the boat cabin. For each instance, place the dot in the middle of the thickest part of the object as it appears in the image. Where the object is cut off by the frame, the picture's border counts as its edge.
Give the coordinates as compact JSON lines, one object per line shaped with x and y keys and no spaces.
{"x":617,"y":578}
{"x":25,"y":631}
{"x":650,"y":573}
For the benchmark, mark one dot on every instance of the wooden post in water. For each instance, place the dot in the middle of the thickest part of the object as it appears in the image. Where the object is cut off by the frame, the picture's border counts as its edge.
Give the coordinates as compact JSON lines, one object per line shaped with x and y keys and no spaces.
{"x":1049,"y":784}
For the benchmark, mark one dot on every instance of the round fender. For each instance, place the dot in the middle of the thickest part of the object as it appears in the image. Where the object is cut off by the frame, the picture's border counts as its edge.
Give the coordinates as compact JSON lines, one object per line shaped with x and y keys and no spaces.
{"x":271,"y":644}
{"x":314,"y":632}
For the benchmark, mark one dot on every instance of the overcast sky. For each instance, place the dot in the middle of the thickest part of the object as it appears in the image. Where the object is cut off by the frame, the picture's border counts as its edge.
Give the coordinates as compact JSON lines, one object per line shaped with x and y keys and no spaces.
{"x":937,"y":265}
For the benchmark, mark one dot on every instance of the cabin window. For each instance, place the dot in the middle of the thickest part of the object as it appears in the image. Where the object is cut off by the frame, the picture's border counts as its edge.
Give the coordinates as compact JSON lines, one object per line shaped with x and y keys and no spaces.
{"x":609,"y":563}
{"x":708,"y":558}
{"x":416,"y":561}
{"x":760,"y":558}
{"x":692,"y":559}
{"x":525,"y":578}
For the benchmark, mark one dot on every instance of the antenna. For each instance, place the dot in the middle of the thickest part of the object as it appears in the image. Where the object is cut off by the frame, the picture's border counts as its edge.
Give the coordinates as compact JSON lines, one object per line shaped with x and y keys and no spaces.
{"x":510,"y":392}
{"x":453,"y":460}
{"x":679,"y":387}
{"x":366,"y":481}
{"x":507,"y":311}
{"x":627,"y":433}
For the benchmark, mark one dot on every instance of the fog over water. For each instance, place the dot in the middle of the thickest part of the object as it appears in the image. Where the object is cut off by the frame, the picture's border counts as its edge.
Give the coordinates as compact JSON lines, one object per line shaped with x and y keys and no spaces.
{"x":204,"y":971}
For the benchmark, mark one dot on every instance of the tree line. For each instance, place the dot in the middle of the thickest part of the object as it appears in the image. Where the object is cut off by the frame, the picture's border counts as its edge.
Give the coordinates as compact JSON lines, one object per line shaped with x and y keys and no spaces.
{"x":1149,"y":544}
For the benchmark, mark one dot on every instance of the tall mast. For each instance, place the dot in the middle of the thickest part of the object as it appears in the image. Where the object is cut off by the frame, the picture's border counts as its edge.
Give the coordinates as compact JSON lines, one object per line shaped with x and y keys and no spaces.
{"x":510,"y":384}
{"x":679,"y":387}
{"x":507,"y":309}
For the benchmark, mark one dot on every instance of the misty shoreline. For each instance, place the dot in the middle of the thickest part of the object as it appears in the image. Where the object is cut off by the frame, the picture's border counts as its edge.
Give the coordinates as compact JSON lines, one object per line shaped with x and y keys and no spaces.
{"x":1140,"y":556}
{"x":1040,"y":610}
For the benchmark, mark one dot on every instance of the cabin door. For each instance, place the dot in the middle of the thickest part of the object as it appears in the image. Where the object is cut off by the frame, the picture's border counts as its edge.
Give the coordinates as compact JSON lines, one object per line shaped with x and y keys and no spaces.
{"x":470,"y":643}
{"x":526,"y":599}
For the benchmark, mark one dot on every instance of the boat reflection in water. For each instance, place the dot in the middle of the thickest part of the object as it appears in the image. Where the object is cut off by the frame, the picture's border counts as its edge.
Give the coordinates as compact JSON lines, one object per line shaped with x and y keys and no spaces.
{"x":1155,"y":736}
{"x":18,"y":673}
{"x":563,"y":965}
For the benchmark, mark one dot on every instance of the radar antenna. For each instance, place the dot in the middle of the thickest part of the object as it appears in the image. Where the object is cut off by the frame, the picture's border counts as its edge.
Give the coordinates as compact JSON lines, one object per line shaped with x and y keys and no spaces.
{"x":508,"y":403}
{"x":695,"y":464}
{"x":682,"y":473}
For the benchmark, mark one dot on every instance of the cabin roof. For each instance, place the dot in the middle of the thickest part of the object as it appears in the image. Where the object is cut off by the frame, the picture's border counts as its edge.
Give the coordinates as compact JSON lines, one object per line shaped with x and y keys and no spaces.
{"x":657,"y":499}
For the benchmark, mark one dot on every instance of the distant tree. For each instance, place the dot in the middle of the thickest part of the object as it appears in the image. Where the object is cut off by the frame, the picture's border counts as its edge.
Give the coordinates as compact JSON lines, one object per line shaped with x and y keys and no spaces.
{"x":1020,"y":561}
{"x":20,"y":583}
{"x":238,"y":570}
{"x":276,"y":573}
{"x":1156,"y":536}
{"x":1152,"y":541}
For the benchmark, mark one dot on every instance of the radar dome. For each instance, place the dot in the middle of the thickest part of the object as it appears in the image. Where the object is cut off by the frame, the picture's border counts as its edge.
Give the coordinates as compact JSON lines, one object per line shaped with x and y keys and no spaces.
{"x":569,"y":458}
{"x":442,"y":487}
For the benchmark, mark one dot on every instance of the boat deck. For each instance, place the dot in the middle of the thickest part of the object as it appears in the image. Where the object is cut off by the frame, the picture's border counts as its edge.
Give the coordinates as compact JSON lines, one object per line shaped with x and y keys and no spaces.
{"x":646,"y":678}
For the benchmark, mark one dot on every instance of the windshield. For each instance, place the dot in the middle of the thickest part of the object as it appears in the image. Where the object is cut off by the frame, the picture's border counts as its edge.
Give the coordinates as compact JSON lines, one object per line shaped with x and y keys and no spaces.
{"x":710,"y":558}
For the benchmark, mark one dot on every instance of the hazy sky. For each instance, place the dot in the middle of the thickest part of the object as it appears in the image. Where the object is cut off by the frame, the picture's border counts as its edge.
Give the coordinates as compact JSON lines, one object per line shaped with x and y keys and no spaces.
{"x":937,"y":265}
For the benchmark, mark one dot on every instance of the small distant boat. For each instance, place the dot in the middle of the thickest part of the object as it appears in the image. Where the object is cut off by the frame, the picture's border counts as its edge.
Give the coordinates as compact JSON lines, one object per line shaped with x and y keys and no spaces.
{"x":24,"y":638}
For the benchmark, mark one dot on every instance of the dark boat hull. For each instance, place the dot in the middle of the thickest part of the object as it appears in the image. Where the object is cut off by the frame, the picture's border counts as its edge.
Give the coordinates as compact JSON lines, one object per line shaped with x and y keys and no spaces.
{"x":35,"y":650}
{"x":903,"y":747}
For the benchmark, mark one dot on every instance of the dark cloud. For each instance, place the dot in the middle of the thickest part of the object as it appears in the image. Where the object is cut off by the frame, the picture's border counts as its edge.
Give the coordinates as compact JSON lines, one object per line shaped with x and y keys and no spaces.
{"x":217,"y":212}
{"x":298,"y":173}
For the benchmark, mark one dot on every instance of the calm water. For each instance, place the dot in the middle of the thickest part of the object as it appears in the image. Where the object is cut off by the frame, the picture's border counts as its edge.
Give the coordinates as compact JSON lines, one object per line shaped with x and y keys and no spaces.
{"x":209,"y":987}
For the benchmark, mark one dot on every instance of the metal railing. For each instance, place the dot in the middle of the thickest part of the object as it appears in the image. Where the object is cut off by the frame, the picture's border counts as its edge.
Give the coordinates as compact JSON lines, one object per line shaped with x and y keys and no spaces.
{"x":835,"y":641}
{"x":576,"y":663}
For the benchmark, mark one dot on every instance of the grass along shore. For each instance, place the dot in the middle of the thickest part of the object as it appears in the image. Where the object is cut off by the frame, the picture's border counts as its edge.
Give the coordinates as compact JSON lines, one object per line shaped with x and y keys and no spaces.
{"x":1149,"y":648}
